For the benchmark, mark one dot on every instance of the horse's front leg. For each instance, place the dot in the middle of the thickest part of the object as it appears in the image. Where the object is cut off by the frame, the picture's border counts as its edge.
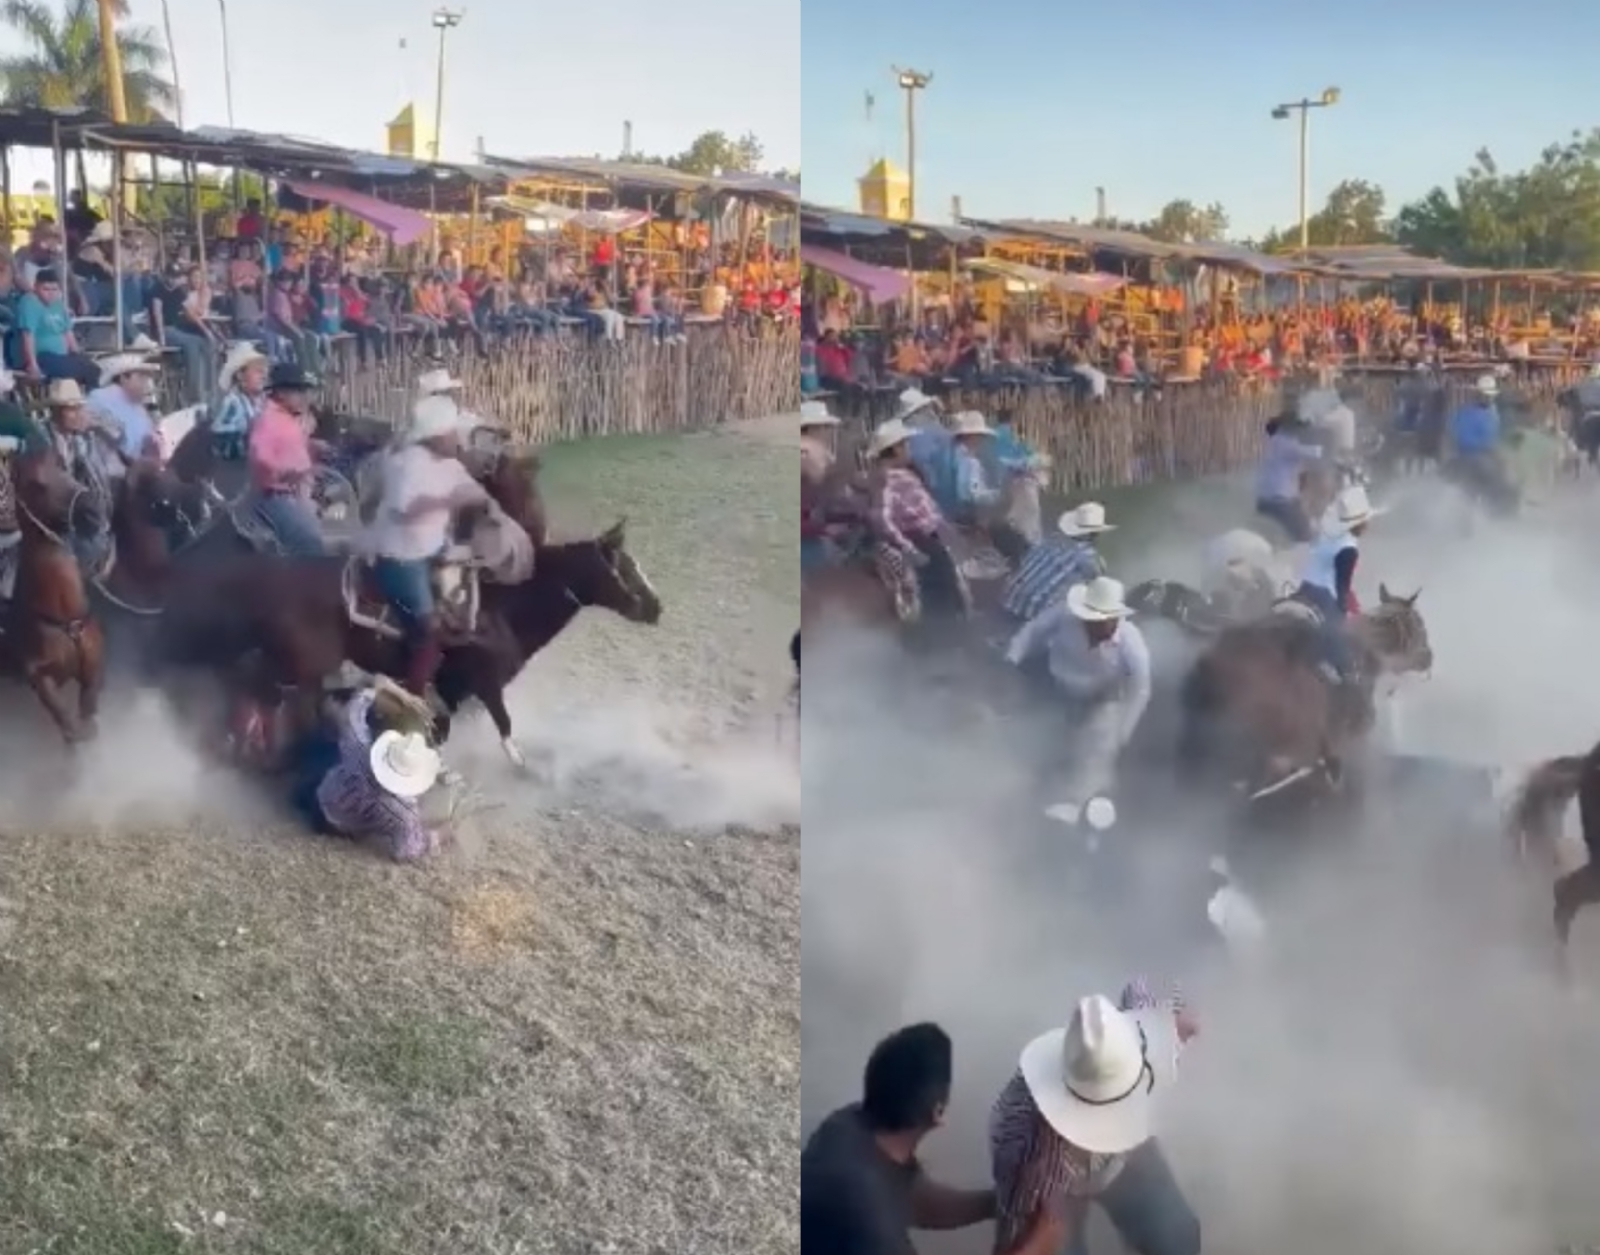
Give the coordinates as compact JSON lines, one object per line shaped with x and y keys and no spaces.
{"x":91,"y":679}
{"x":493,"y":697}
{"x":44,"y":680}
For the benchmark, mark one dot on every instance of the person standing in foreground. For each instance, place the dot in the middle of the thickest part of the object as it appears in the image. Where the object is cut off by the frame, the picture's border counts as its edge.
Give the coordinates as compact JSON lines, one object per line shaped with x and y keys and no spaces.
{"x":1074,"y":1124}
{"x":862,"y":1189}
{"x":424,"y":485}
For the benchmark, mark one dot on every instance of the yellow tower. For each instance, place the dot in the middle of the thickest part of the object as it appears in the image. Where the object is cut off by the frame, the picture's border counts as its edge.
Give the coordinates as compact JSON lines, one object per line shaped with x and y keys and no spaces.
{"x":885,"y":191}
{"x":410,"y":136}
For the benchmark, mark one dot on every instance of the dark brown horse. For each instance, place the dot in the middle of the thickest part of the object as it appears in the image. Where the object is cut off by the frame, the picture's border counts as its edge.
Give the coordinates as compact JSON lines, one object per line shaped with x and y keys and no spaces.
{"x":52,"y":640}
{"x":1257,"y":690}
{"x":1534,"y":819}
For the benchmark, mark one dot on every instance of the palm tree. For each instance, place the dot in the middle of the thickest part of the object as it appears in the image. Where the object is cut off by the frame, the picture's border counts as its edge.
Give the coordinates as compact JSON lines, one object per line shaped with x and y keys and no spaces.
{"x":62,"y":67}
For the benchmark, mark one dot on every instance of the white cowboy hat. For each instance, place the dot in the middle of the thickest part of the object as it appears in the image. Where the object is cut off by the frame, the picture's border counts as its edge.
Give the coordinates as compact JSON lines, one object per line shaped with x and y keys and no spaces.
{"x":1089,"y":519}
{"x":889,"y":434}
{"x":1093,"y":1080}
{"x":117,"y":365}
{"x":1099,"y":601}
{"x":914,"y":401}
{"x":404,"y":763}
{"x":435,"y":416}
{"x":64,"y":392}
{"x":1488,"y":385}
{"x":240,"y":355}
{"x":437,"y":382}
{"x":815,"y":414}
{"x":1352,"y":507}
{"x":970,"y":423}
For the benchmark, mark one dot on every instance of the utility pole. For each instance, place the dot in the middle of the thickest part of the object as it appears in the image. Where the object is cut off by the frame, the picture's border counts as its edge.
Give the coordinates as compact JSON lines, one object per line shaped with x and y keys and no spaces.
{"x":911,"y":82}
{"x":444,"y":20}
{"x":227,"y":62}
{"x":1329,"y":98}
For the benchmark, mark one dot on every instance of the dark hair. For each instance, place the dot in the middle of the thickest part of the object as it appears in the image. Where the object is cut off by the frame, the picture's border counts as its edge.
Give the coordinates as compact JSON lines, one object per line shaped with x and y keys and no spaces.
{"x":907,"y":1079}
{"x":46,"y":276}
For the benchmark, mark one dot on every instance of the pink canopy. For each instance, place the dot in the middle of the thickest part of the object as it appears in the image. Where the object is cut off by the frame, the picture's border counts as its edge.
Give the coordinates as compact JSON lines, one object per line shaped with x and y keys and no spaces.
{"x":403,"y":226}
{"x":880,"y":284}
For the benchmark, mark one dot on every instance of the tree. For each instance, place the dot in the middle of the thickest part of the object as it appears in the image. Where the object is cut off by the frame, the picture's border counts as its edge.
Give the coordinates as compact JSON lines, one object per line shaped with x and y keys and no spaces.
{"x":1182,"y":222}
{"x":62,"y":67}
{"x":1352,"y":214}
{"x":714,"y":151}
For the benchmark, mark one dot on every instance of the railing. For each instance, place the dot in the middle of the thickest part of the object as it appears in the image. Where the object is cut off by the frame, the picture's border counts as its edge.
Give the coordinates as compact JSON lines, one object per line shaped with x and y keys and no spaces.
{"x":551,"y":388}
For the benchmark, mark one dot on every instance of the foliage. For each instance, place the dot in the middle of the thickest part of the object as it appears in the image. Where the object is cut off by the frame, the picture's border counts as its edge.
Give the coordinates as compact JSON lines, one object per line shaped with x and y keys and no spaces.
{"x":62,"y":66}
{"x":713,"y":151}
{"x":1184,"y":222}
{"x":1352,"y":214}
{"x":170,"y":202}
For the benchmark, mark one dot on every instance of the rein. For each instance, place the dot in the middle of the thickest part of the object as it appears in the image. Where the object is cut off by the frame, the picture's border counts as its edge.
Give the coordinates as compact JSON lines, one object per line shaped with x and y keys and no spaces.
{"x":72,"y":629}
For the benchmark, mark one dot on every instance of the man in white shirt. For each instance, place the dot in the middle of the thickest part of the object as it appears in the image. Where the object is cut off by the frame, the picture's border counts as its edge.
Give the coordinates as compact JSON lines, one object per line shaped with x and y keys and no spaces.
{"x":1099,"y":662}
{"x":122,"y":403}
{"x":424,"y":485}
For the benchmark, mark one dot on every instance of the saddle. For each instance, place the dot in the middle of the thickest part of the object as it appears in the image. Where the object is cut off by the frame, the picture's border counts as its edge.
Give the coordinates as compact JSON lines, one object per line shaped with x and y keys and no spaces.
{"x":456,"y":591}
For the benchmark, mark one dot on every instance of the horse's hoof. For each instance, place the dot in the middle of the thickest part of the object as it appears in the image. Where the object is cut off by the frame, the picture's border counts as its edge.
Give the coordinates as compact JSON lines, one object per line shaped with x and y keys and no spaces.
{"x":514,"y":753}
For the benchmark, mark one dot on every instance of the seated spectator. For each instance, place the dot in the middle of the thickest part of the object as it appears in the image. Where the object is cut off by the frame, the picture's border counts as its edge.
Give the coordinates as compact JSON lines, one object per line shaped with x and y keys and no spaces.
{"x":43,"y":251}
{"x":286,"y":307}
{"x":251,"y":222}
{"x":371,"y":342}
{"x":834,"y":361}
{"x":47,"y":348}
{"x":179,"y":310}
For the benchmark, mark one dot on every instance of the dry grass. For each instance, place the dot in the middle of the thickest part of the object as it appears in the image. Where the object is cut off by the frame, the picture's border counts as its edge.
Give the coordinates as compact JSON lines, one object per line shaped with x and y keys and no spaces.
{"x":574,"y":1033}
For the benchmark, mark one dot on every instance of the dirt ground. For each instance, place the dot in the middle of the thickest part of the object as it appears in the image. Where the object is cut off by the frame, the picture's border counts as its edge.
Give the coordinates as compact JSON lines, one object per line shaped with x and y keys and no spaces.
{"x":579,"y":1031}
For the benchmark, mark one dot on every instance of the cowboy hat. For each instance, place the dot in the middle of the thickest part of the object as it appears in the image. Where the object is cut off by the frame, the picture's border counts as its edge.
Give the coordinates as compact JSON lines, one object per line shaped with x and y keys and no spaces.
{"x":64,"y":393}
{"x":914,"y":401}
{"x":970,"y":423}
{"x":289,"y":377}
{"x":435,"y":416}
{"x":120,"y":364}
{"x":436,"y":382}
{"x":1089,"y":519}
{"x":815,"y":414}
{"x":403,"y":763}
{"x":239,"y":356}
{"x":1101,"y":600}
{"x":1093,"y":1080}
{"x":1487,"y":385}
{"x":889,"y":434}
{"x":1351,"y":507}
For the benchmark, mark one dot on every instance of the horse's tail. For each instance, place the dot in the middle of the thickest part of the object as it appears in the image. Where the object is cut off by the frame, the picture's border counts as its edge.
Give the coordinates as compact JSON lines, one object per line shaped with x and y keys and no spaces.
{"x":1534,"y":816}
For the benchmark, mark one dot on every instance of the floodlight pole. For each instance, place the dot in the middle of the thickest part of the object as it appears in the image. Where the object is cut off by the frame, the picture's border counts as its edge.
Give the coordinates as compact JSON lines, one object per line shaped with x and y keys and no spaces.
{"x":911,"y":82}
{"x":445,"y":20}
{"x":1328,"y":99}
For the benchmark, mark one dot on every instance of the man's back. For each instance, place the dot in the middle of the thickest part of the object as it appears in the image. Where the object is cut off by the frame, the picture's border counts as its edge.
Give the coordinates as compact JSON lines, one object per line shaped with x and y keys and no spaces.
{"x":854,"y":1200}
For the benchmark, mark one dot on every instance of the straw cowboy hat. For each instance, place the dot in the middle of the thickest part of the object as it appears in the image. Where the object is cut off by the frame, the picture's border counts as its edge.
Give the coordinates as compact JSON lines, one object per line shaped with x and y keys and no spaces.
{"x":64,"y":394}
{"x":403,"y":763}
{"x":120,"y":364}
{"x":1487,"y":385}
{"x":815,"y":414}
{"x":1089,"y":519}
{"x":914,"y":401}
{"x":1101,"y":600}
{"x":239,"y":356}
{"x":433,"y":417}
{"x":437,"y":382}
{"x":1093,"y":1081}
{"x":970,"y":423}
{"x":1351,"y":507}
{"x":889,"y":434}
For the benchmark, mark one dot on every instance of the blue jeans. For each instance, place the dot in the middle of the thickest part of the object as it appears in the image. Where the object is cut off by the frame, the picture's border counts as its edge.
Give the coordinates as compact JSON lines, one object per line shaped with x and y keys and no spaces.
{"x":1289,"y":514}
{"x":1147,"y":1208}
{"x":1335,"y":642}
{"x":199,"y":362}
{"x":409,"y":588}
{"x":294,"y":522}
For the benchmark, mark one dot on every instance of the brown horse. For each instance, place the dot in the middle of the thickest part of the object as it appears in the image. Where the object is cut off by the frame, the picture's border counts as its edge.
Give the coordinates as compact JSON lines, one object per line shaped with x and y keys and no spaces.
{"x":1534,"y":819}
{"x":51,"y":638}
{"x":1258,"y":686}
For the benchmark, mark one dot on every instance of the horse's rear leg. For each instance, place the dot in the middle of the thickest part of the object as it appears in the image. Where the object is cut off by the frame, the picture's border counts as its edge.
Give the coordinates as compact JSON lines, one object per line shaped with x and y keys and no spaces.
{"x":91,"y":680}
{"x":493,"y":697}
{"x":52,"y":696}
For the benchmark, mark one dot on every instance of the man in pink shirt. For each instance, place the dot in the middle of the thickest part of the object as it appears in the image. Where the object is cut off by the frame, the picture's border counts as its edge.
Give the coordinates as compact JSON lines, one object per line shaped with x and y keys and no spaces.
{"x":281,"y":462}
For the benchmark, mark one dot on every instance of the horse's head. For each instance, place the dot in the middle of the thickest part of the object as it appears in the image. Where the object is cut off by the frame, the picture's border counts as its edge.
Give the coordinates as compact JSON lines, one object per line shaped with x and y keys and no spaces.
{"x":1396,"y":633}
{"x":511,"y":477}
{"x":52,"y":500}
{"x":601,"y":572}
{"x":155,"y":499}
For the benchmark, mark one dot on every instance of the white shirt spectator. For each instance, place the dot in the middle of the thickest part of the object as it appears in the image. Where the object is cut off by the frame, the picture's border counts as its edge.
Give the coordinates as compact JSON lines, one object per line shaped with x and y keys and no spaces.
{"x":412,"y":472}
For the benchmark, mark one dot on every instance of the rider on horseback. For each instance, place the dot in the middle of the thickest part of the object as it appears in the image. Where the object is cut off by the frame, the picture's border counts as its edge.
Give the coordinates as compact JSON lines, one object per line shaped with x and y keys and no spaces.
{"x":1099,"y":662}
{"x":1058,"y":562}
{"x":1284,"y":458}
{"x":1475,"y":433}
{"x":282,"y":457}
{"x":91,"y":456}
{"x":243,"y":383}
{"x":816,"y":467}
{"x":1327,"y":581}
{"x":974,"y":501}
{"x":122,"y":403}
{"x":424,"y":486}
{"x":904,"y":514}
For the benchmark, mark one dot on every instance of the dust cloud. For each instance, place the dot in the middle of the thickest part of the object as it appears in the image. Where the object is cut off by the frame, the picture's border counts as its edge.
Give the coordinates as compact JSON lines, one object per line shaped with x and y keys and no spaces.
{"x":1400,"y":1071}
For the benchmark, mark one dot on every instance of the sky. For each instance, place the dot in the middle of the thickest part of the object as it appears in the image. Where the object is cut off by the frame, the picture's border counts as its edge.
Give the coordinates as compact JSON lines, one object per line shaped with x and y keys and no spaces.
{"x":530,"y":79}
{"x":1034,"y":105}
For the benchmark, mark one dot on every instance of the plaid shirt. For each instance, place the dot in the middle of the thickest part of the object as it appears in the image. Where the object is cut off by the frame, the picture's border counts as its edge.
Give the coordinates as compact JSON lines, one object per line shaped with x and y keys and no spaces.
{"x":1055,"y":564}
{"x":1032,"y":1163}
{"x":357,"y":805}
{"x":906,"y":510}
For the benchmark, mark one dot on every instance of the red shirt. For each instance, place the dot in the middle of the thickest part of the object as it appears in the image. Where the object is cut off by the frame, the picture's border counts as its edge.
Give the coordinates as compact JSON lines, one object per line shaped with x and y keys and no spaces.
{"x":605,"y":252}
{"x":833,"y":360}
{"x":249,"y":225}
{"x":355,"y":305}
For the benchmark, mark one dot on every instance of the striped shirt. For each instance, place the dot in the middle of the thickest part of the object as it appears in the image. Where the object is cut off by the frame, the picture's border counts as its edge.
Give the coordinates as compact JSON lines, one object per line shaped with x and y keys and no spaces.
{"x":1048,"y":569}
{"x":1032,"y":1163}
{"x":906,"y":511}
{"x":354,"y":802}
{"x":237,"y":413}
